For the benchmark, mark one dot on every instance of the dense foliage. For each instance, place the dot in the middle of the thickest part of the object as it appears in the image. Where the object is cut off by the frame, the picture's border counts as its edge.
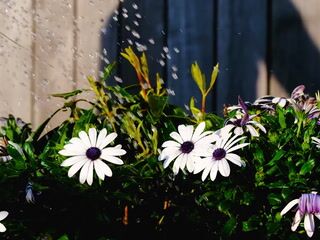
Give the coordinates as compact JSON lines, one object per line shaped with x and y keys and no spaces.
{"x":142,"y":198}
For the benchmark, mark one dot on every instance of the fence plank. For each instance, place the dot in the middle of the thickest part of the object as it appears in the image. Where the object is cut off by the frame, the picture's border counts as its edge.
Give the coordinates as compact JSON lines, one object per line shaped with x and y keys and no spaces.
{"x":91,"y":17}
{"x":15,"y":58}
{"x":54,"y":55}
{"x":190,"y":38}
{"x":295,"y":46}
{"x":242,"y":29}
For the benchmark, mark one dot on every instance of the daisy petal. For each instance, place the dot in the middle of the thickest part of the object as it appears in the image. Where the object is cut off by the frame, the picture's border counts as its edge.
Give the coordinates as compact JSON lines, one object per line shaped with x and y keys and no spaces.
{"x":103,"y":168}
{"x":176,"y":137}
{"x":84,"y":172}
{"x":197,"y":132}
{"x":185,"y":132}
{"x":296,"y":221}
{"x":72,"y":160}
{"x":309,"y":224}
{"x":3,"y":215}
{"x":85,"y":139}
{"x":237,"y":147}
{"x":253,"y":131}
{"x":170,"y":143}
{"x":213,"y":172}
{"x":2,"y":228}
{"x":206,"y":171}
{"x":112,"y":151}
{"x":112,"y":159}
{"x":183,"y":161}
{"x":93,"y":136}
{"x":201,"y":164}
{"x":75,"y":168}
{"x":289,"y":206}
{"x":224,"y":167}
{"x":170,"y":158}
{"x":176,"y":164}
{"x":107,"y":140}
{"x":234,"y":158}
{"x":102,"y":135}
{"x":98,"y":170}
{"x":90,"y":174}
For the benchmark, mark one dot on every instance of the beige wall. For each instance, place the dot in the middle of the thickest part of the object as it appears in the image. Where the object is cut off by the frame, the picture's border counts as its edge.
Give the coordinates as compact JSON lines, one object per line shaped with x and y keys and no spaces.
{"x":47,"y":46}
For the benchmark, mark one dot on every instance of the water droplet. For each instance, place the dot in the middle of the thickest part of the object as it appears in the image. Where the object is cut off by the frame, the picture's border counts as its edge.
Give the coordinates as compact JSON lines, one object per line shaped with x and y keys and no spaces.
{"x":115,"y":18}
{"x":135,"y":6}
{"x":118,"y":79}
{"x":168,"y":56}
{"x":135,"y":34}
{"x":130,"y":41}
{"x":151,"y":40}
{"x":174,"y":68}
{"x":136,"y":23}
{"x":176,"y":50}
{"x":103,"y":30}
{"x":138,"y":15}
{"x":166,"y":49}
{"x":127,"y":28}
{"x":104,"y":51}
{"x":170,"y":92}
{"x":174,"y":76}
{"x":124,"y":10}
{"x":162,"y":63}
{"x":125,"y":15}
{"x":141,"y":47}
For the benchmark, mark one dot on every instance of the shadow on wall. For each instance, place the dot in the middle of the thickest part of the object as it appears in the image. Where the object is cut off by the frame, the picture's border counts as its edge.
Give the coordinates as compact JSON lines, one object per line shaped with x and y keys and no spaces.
{"x":295,"y":57}
{"x":237,"y":35}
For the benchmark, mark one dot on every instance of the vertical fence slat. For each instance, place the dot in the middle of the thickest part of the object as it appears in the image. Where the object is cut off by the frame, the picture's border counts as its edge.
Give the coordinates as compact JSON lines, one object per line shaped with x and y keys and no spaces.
{"x":190,"y":32}
{"x":295,"y":46}
{"x":54,"y":53}
{"x":242,"y":28}
{"x":15,"y":58}
{"x":89,"y":27}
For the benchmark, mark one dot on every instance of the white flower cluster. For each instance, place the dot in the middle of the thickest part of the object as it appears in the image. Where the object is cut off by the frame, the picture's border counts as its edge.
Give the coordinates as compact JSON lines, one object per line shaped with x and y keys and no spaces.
{"x":197,"y":150}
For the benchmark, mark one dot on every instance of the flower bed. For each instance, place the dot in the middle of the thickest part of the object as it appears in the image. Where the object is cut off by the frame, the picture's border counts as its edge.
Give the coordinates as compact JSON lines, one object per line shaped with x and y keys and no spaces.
{"x":133,"y":165}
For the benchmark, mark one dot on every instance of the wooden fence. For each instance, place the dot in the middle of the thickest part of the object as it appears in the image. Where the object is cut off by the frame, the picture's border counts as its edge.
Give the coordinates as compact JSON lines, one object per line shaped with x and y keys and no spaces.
{"x":48,"y":46}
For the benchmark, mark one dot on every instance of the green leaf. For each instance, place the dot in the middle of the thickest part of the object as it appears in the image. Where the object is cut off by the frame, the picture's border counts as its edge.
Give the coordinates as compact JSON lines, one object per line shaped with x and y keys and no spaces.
{"x":108,"y":70}
{"x":274,"y":199}
{"x":307,"y":167}
{"x":157,"y":104}
{"x":64,"y":237}
{"x":230,"y":226}
{"x":198,"y":77}
{"x":282,"y":119}
{"x":251,"y":224}
{"x":214,"y":76}
{"x":69,"y":94}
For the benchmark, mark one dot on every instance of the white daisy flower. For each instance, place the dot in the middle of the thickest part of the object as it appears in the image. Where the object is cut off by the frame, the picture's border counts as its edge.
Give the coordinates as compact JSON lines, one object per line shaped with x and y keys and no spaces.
{"x":316,"y":141}
{"x":308,"y":207}
{"x":3,"y":215}
{"x":243,"y":122}
{"x":186,"y":146}
{"x":88,"y":151}
{"x":217,"y":156}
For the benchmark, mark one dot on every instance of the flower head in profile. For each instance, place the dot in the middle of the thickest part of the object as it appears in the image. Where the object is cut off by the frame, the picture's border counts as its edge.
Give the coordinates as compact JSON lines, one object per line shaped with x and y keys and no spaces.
{"x":244,"y":122}
{"x":29,"y":193}
{"x":185,"y":147}
{"x":220,"y":152}
{"x":88,"y":153}
{"x":3,"y":215}
{"x":308,"y":207}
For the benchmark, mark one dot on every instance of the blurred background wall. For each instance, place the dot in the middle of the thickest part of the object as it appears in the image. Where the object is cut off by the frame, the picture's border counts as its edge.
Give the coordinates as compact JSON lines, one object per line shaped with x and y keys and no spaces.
{"x":49,"y":46}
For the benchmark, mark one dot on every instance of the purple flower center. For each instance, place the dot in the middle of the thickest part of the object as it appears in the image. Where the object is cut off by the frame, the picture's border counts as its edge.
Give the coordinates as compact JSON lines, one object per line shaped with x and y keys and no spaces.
{"x":237,"y":123}
{"x":93,"y":153}
{"x":309,"y":203}
{"x":218,"y":154}
{"x":187,"y":147}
